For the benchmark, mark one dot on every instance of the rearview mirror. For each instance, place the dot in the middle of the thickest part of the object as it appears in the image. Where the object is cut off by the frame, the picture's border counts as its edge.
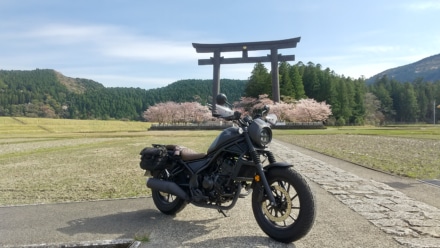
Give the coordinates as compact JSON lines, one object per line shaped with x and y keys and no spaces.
{"x":272,"y":118}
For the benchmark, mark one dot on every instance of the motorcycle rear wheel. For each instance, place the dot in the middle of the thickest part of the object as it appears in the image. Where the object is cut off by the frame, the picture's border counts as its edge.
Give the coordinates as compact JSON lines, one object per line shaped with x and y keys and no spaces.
{"x":167,"y":203}
{"x":294,"y":214}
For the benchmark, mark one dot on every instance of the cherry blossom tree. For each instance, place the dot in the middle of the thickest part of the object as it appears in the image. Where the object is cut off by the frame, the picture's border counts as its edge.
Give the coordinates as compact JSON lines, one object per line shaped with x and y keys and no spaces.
{"x":282,"y":110}
{"x":304,"y":110}
{"x":171,"y":112}
{"x":161,"y":113}
{"x":309,"y":110}
{"x":194,"y":112}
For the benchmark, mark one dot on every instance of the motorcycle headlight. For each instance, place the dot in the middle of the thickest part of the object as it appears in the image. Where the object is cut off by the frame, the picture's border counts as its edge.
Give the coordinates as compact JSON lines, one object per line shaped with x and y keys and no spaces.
{"x":260,"y":133}
{"x":266,"y":136}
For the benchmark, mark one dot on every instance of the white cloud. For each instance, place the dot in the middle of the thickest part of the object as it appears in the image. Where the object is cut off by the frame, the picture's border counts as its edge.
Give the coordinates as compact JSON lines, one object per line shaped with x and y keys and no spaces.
{"x":422,"y":5}
{"x":148,"y":49}
{"x":130,"y":81}
{"x":114,"y":42}
{"x":61,"y":32}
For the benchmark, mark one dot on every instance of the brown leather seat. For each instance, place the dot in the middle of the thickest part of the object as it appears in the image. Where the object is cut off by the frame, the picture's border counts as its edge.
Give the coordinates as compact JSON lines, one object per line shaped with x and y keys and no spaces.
{"x":188,"y":154}
{"x":185,"y":153}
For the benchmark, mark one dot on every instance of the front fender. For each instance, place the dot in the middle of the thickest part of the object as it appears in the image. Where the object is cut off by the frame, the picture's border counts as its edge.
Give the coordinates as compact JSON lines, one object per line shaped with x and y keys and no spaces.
{"x":277,"y":164}
{"x":258,"y":188}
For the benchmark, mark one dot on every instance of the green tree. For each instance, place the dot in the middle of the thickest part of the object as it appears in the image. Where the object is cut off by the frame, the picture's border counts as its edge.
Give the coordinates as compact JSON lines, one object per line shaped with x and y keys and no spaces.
{"x":259,"y":82}
{"x":408,"y":104}
{"x":286,"y":85}
{"x":379,"y":89}
{"x":359,"y":111}
{"x":311,"y":81}
{"x":298,"y":86}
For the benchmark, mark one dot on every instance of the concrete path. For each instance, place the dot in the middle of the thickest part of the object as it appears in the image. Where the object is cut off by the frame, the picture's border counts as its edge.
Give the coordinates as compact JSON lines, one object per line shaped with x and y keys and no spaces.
{"x":410,"y":221}
{"x":357,"y":207}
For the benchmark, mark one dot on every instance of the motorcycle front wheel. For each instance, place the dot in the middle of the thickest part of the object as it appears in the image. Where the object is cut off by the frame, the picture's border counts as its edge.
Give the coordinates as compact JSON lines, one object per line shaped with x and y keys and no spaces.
{"x":293,"y":215}
{"x":166,"y":203}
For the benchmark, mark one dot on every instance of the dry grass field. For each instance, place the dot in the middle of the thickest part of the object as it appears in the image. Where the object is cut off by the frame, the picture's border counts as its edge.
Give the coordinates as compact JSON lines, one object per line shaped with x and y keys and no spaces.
{"x":45,"y":160}
{"x":416,"y":158}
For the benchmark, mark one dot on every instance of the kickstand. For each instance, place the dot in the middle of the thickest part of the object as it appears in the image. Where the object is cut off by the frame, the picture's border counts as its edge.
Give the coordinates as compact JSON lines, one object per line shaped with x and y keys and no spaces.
{"x":223,"y":212}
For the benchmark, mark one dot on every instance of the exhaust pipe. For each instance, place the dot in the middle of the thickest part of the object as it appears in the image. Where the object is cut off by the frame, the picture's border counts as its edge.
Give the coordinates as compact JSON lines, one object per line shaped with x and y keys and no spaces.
{"x":167,"y":187}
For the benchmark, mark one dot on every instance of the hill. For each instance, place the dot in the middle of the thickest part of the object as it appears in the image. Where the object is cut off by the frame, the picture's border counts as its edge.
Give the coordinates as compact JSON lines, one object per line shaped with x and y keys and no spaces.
{"x":47,"y":93}
{"x":427,"y":69}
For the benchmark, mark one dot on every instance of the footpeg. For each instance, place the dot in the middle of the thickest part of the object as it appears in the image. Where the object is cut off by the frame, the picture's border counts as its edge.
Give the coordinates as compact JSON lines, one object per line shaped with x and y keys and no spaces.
{"x":245,"y":193}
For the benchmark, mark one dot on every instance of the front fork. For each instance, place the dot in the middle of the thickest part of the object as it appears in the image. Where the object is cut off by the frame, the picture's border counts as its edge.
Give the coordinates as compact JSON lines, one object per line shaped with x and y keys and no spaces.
{"x":266,"y":185}
{"x":260,"y":171}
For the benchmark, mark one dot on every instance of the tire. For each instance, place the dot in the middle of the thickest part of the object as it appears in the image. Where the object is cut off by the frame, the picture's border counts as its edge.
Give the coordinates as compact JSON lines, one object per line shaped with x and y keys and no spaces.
{"x":167,"y":203}
{"x":294,"y":215}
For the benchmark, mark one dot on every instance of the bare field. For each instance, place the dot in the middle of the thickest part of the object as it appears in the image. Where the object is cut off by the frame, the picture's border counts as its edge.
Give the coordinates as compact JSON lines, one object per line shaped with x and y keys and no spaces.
{"x":46,"y":161}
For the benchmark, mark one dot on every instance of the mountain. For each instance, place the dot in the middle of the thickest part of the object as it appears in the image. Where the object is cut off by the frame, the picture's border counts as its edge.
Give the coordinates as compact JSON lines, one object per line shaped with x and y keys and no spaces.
{"x":48,"y":93}
{"x":77,"y":85}
{"x":427,"y":69}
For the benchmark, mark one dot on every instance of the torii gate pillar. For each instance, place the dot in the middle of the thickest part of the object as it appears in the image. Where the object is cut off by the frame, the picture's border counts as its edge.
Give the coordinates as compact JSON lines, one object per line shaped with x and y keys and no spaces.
{"x":244,"y":47}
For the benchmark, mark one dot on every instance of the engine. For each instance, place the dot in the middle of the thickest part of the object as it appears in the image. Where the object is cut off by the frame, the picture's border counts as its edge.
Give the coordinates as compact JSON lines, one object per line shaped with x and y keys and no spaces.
{"x":217,"y":184}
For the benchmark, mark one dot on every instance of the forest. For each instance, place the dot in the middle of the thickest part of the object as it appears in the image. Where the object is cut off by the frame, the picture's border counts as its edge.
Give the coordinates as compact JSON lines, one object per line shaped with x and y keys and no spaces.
{"x":46,"y":93}
{"x":43,"y":93}
{"x":352,"y":101}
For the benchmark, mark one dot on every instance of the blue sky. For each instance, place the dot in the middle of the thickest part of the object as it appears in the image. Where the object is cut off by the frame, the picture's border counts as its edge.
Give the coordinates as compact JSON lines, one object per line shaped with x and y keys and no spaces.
{"x":148,"y":44}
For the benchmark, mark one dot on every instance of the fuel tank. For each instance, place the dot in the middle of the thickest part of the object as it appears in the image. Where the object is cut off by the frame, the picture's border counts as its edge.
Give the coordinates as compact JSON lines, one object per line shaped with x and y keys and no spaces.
{"x":225,"y":136}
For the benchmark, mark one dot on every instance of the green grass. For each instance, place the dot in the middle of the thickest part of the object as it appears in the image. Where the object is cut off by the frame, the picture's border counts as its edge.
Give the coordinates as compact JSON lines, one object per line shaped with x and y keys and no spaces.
{"x":142,"y":236}
{"x":47,"y":160}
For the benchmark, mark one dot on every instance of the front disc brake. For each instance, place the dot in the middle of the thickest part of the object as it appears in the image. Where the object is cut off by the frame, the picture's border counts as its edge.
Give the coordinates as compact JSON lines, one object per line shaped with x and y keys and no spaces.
{"x":284,"y":205}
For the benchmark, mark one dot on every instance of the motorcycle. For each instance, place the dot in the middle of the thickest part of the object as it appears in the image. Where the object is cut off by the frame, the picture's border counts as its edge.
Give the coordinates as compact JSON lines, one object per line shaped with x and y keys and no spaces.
{"x":238,"y":163}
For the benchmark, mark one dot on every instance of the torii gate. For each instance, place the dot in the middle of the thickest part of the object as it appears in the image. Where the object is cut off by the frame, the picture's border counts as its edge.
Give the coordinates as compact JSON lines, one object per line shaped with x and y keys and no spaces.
{"x":244,"y":47}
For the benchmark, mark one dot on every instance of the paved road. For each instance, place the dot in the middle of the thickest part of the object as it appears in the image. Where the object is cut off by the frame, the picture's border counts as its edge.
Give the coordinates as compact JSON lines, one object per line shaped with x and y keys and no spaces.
{"x":356,"y":208}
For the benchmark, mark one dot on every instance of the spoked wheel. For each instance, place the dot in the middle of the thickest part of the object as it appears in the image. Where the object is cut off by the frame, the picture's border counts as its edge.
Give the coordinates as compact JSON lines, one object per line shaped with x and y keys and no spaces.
{"x":167,"y":203}
{"x":293,"y":215}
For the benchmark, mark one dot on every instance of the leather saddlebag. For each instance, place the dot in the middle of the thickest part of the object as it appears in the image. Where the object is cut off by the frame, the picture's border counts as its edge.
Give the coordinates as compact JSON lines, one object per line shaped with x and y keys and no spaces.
{"x":154,"y":158}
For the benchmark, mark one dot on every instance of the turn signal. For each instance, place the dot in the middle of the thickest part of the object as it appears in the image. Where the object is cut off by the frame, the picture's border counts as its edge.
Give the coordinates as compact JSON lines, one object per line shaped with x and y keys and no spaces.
{"x":257,"y":178}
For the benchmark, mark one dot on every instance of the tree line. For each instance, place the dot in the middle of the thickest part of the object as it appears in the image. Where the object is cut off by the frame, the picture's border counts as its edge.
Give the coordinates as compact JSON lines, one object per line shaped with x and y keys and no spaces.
{"x":352,"y":101}
{"x":40,"y":93}
{"x":407,"y":102}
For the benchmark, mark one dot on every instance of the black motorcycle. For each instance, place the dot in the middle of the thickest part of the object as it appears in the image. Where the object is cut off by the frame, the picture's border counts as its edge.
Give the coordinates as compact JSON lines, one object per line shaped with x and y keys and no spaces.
{"x":237,"y":163}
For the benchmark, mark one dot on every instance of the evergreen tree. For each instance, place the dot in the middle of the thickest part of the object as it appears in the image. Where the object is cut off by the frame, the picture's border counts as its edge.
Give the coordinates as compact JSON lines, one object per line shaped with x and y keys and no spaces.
{"x":408,"y":104}
{"x":286,"y":85}
{"x":343,"y":110}
{"x":259,"y":82}
{"x":384,"y":96}
{"x":311,"y":81}
{"x":298,"y":86}
{"x":359,"y":110}
{"x":422,"y":95}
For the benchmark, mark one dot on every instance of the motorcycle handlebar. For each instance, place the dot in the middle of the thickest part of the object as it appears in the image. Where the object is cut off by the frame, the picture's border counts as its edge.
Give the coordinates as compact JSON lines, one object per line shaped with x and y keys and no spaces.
{"x":225,"y":112}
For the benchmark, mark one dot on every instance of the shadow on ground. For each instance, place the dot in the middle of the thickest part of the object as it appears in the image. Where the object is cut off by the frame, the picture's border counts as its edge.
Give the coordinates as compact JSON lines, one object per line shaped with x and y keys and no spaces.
{"x":164,"y":230}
